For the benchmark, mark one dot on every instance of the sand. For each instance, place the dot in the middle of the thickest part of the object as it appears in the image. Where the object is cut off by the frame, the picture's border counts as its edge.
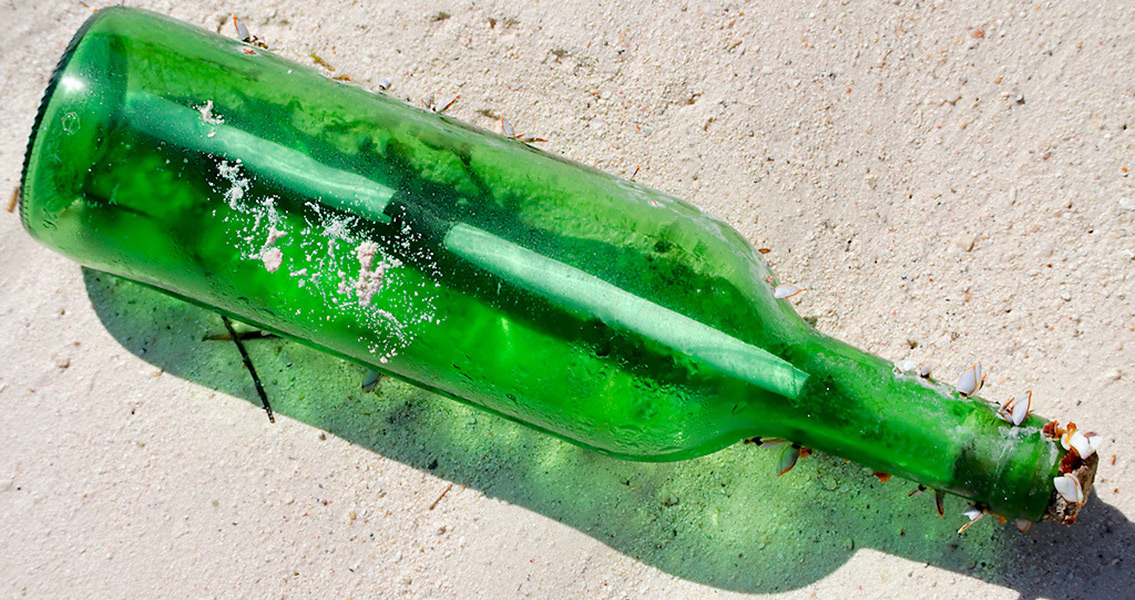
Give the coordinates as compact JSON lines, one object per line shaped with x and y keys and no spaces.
{"x":950,"y":181}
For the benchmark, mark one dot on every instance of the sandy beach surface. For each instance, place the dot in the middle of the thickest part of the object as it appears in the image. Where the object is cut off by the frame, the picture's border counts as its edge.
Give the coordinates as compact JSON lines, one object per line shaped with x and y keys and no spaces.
{"x":950,"y":180}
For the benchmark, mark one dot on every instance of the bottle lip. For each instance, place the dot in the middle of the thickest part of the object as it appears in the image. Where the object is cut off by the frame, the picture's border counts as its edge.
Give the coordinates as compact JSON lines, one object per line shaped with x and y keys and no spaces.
{"x":1062,"y":511}
{"x":49,"y":94}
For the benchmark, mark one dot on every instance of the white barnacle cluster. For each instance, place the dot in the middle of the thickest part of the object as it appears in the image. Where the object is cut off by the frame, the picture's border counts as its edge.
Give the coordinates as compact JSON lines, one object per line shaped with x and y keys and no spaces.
{"x":1079,"y":446}
{"x":1015,"y":411}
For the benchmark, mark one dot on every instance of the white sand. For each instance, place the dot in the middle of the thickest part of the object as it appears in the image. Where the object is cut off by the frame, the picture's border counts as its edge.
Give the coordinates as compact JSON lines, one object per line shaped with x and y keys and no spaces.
{"x":947,"y":174}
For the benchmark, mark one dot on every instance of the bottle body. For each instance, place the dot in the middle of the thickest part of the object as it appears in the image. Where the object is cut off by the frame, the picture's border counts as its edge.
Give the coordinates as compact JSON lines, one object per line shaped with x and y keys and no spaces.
{"x":614,"y":316}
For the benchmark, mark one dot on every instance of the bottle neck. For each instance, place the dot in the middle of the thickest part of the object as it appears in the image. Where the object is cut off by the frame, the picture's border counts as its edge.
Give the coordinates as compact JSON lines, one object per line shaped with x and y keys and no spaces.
{"x":854,"y":405}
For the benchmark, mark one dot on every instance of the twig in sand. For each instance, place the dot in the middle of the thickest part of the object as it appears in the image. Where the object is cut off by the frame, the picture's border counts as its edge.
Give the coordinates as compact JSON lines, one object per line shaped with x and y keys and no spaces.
{"x":443,"y":493}
{"x":254,"y":334}
{"x":251,"y":370}
{"x":319,"y":61}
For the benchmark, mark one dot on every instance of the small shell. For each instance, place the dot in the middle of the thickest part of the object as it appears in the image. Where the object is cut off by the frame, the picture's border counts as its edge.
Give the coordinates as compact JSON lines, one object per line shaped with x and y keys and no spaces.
{"x":924,"y":369}
{"x":1021,"y":409}
{"x":975,"y":514}
{"x":787,"y":291}
{"x":971,"y":381}
{"x":440,"y":108}
{"x":788,"y":460}
{"x":1023,"y":525}
{"x":1069,"y":488}
{"x":905,"y":366}
{"x":370,"y":381}
{"x":241,"y":30}
{"x":1066,"y":435}
{"x":1085,"y":444}
{"x":1017,"y":410}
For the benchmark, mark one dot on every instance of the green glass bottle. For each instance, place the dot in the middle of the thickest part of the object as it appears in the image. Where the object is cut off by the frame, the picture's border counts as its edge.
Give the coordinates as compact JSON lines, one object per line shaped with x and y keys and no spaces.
{"x":606,"y":313}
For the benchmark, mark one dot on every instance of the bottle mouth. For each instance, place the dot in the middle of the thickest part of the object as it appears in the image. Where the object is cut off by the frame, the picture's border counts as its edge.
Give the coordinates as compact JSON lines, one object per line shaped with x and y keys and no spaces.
{"x":1063,"y":511}
{"x":76,"y":107}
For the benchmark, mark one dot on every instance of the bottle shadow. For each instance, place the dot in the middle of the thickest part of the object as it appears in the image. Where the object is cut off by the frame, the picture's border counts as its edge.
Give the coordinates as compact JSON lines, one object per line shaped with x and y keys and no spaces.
{"x":724,"y":520}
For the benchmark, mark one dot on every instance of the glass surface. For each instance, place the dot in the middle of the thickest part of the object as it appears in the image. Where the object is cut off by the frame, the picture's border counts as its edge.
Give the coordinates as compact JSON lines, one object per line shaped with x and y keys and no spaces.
{"x":609,"y":314}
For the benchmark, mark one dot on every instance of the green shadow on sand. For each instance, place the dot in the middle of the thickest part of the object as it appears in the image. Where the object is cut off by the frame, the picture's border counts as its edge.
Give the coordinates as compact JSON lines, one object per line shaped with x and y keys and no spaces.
{"x":724,"y":520}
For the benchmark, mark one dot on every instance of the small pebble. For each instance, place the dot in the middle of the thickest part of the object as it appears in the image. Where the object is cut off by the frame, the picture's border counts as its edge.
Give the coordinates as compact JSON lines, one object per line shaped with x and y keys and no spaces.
{"x":1113,"y":374}
{"x":965,"y":243}
{"x":829,"y":483}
